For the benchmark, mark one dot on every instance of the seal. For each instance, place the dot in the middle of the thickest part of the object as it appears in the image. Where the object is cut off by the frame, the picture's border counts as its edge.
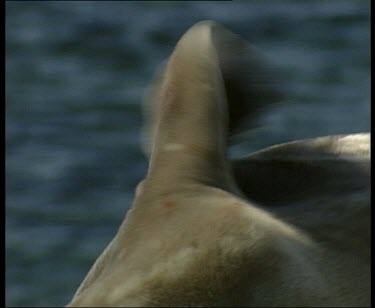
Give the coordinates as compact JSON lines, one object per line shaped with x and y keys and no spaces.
{"x":288,"y":226}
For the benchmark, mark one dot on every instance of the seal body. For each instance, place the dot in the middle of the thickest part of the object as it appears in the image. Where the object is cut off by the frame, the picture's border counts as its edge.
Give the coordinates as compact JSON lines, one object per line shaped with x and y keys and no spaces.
{"x":285,"y":227}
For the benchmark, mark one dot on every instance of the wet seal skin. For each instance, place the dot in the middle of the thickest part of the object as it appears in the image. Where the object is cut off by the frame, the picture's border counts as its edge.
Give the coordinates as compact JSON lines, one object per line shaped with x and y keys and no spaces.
{"x":288,"y":226}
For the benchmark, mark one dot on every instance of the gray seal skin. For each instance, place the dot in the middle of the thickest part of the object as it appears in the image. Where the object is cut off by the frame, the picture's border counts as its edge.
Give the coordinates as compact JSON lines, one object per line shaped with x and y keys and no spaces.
{"x":288,"y":226}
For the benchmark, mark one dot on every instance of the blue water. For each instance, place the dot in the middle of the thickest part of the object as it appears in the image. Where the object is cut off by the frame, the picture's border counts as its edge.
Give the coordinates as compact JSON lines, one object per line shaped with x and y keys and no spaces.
{"x":75,"y":76}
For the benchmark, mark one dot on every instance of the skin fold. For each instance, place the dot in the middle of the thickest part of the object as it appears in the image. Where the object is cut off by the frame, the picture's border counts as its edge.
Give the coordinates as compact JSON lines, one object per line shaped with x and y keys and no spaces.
{"x":288,"y":226}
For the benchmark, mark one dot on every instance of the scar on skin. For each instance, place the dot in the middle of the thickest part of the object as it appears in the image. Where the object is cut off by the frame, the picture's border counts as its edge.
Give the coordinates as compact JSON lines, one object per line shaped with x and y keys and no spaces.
{"x":173,"y":147}
{"x":168,"y":204}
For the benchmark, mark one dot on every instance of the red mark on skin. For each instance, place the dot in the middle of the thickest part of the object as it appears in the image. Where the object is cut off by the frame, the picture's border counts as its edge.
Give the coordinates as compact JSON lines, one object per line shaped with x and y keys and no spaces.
{"x":168,"y":204}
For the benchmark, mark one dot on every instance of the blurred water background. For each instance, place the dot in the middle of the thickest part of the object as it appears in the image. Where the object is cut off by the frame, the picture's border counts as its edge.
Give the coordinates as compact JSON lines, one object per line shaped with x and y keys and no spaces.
{"x":75,"y":76}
